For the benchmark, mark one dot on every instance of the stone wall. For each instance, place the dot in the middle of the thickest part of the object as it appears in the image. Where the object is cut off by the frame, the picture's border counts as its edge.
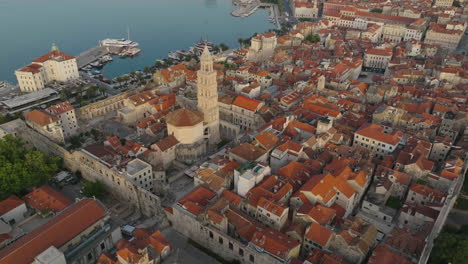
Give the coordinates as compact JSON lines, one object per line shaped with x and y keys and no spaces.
{"x":218,"y":242}
{"x":103,"y":107}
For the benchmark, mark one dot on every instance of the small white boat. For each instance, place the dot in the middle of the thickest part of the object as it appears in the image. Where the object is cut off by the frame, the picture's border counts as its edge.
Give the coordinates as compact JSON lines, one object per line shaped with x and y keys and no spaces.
{"x":173,"y":55}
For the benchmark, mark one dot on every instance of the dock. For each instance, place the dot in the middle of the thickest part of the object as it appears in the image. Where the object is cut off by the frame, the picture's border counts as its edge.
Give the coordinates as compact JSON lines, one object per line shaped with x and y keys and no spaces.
{"x":94,"y":54}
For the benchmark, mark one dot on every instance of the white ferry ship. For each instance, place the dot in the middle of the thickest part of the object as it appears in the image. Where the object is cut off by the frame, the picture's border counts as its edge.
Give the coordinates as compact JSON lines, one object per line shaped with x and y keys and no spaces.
{"x":121,"y":43}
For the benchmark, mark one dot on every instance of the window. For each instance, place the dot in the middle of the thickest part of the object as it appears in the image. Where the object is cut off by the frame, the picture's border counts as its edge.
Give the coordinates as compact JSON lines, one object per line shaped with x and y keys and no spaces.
{"x":90,"y":256}
{"x":103,"y":246}
{"x":251,"y":258}
{"x":231,"y":246}
{"x":220,"y":240}
{"x":241,"y":252}
{"x":211,"y":234}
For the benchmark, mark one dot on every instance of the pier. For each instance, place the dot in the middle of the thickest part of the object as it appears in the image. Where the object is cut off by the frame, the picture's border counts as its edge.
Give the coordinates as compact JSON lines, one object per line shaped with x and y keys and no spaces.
{"x":247,"y":8}
{"x":93,"y":54}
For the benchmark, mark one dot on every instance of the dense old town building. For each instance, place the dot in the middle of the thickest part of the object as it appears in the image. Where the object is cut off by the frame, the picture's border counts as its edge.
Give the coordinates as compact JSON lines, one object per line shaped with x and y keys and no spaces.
{"x":63,"y":239}
{"x":349,"y":150}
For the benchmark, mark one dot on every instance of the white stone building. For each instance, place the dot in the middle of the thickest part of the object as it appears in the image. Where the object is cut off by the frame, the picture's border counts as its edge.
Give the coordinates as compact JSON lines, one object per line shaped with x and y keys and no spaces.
{"x":66,"y":113}
{"x":53,"y":66}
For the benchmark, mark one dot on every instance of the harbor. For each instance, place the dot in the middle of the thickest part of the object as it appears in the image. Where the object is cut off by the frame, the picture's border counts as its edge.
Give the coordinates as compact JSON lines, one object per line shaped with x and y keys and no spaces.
{"x":246,"y":8}
{"x":94,"y":59}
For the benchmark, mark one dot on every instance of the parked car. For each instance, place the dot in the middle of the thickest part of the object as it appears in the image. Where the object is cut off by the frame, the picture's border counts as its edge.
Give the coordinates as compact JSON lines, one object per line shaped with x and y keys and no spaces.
{"x":72,"y":180}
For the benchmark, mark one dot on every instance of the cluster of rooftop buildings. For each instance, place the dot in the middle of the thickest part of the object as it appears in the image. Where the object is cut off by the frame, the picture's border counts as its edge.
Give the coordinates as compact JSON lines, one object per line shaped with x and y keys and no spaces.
{"x":350,"y":149}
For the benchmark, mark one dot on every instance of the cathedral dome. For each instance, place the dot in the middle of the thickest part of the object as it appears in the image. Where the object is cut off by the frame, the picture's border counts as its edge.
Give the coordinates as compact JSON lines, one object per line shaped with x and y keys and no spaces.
{"x":184,"y":117}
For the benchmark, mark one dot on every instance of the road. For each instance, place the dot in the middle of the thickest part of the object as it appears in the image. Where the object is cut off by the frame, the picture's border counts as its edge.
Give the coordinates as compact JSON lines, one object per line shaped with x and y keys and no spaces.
{"x":184,"y":252}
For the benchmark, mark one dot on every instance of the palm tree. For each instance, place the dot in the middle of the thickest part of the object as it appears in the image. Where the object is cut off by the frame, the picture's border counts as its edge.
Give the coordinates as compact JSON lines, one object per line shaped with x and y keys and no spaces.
{"x":102,"y":90}
{"x":119,"y":80}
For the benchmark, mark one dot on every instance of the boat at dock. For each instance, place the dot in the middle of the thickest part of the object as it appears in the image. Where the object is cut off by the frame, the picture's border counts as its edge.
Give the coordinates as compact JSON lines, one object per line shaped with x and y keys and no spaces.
{"x":119,"y":43}
{"x":97,"y":64}
{"x":173,"y":55}
{"x":106,"y":59}
{"x":184,"y":53}
{"x":200,"y":46}
{"x":133,"y":51}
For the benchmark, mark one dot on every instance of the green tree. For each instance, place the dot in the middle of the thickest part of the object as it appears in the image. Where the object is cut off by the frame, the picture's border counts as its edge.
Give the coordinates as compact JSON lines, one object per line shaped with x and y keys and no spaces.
{"x":22,"y":168}
{"x":91,"y":92}
{"x":451,"y":246}
{"x":223,"y":46}
{"x":241,"y":41}
{"x":147,"y":70}
{"x":313,"y":38}
{"x":95,"y":189}
{"x":7,"y":118}
{"x":376,"y":10}
{"x":102,"y":90}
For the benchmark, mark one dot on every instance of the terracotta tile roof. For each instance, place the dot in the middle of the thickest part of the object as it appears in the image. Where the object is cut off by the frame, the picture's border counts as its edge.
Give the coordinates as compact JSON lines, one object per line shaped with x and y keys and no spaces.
{"x":322,"y":257}
{"x":271,"y":206}
{"x":54,"y":55}
{"x":274,"y":242}
{"x":196,"y":200}
{"x":266,"y":140}
{"x":210,"y":179}
{"x":246,"y":103}
{"x":427,"y":191}
{"x":233,"y":198}
{"x":40,"y":117}
{"x":376,"y":132}
{"x":46,"y":198}
{"x":291,"y":147}
{"x":248,"y":151}
{"x":380,"y":52}
{"x":167,"y":143}
{"x":9,"y":204}
{"x":184,"y":117}
{"x":382,"y":254}
{"x":322,"y":214}
{"x":58,"y":231}
{"x":60,"y":108}
{"x":106,"y":258}
{"x":158,"y":241}
{"x":32,"y":68}
{"x":318,"y":234}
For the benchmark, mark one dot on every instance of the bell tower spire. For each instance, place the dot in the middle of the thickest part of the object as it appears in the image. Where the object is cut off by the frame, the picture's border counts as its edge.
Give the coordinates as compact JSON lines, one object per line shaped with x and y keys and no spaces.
{"x":207,"y":95}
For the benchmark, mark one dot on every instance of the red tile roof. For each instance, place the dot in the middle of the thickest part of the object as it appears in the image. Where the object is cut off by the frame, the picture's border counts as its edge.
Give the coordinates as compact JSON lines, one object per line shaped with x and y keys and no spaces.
{"x":167,"y":143}
{"x":248,"y":151}
{"x":40,"y":117}
{"x":196,"y":200}
{"x":46,"y":198}
{"x":266,"y":140}
{"x":54,"y":55}
{"x":60,"y":108}
{"x":246,"y":103}
{"x":318,"y":234}
{"x":376,"y":132}
{"x":274,"y":242}
{"x":58,"y":231}
{"x":382,"y":254}
{"x":33,"y":68}
{"x":9,"y":204}
{"x":184,"y":117}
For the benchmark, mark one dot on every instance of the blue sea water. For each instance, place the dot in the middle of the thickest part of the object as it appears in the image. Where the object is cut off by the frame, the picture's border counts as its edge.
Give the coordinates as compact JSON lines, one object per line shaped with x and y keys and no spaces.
{"x":29,"y":27}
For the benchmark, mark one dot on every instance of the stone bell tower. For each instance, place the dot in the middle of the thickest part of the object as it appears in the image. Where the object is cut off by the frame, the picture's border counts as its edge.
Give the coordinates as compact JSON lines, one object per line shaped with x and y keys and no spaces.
{"x":207,"y":94}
